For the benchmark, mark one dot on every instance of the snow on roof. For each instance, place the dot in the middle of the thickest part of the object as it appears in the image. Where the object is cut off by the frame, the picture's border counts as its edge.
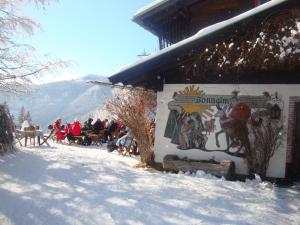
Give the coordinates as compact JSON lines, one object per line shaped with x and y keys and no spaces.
{"x":153,"y":5}
{"x":202,"y":33}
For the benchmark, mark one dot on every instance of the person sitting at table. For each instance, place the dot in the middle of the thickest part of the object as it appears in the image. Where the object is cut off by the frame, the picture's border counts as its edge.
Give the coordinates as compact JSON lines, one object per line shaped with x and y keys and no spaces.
{"x":125,"y":140}
{"x":86,"y":130}
{"x":119,"y":125}
{"x":112,"y":144}
{"x":60,"y":134}
{"x":97,"y":126}
{"x":105,"y":123}
{"x":68,"y":131}
{"x":88,"y":125}
{"x":76,"y":128}
{"x":112,"y":129}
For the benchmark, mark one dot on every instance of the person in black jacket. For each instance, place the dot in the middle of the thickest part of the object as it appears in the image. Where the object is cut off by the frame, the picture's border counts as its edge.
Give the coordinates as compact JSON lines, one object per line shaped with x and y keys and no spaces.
{"x":88,"y":125}
{"x":112,"y":128}
{"x":97,"y":126}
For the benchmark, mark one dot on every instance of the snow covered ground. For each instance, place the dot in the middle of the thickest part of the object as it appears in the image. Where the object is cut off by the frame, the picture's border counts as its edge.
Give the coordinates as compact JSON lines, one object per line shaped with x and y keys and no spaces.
{"x":80,"y":185}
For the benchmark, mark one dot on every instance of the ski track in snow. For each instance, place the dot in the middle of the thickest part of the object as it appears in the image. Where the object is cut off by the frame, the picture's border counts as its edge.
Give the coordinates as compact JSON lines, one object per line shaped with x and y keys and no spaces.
{"x":87,"y":185}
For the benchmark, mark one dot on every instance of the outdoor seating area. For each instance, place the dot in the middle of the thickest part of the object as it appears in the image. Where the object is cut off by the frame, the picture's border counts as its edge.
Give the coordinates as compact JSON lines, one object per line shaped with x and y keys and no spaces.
{"x":35,"y":136}
{"x":89,"y":133}
{"x":112,"y":133}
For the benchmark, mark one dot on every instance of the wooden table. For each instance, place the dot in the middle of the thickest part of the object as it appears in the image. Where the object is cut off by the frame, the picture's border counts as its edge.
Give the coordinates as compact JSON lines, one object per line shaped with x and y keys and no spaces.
{"x":20,"y":134}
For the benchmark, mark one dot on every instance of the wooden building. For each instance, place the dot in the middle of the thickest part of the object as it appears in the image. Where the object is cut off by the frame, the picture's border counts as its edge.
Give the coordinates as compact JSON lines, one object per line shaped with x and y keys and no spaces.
{"x":198,"y":87}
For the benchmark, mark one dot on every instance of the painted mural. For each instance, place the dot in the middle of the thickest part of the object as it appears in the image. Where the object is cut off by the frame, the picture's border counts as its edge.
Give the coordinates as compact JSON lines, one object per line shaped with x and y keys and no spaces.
{"x":217,"y":122}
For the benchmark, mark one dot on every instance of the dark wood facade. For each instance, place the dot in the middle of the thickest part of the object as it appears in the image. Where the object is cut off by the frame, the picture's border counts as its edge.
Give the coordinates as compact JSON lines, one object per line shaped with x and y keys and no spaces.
{"x":182,"y":19}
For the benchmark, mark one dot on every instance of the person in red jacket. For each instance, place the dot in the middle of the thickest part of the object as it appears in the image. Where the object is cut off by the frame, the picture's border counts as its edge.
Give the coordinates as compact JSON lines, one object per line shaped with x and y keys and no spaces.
{"x":59,"y":131}
{"x":68,"y":128}
{"x":76,"y":128}
{"x":69,"y":134}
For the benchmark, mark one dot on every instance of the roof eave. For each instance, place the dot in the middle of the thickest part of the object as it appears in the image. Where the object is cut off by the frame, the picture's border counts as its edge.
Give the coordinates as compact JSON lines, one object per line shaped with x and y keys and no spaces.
{"x":133,"y":72}
{"x":150,"y":11}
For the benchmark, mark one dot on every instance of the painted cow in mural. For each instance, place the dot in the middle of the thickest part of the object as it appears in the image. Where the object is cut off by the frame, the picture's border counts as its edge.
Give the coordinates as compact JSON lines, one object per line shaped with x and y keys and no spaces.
{"x":234,"y":126}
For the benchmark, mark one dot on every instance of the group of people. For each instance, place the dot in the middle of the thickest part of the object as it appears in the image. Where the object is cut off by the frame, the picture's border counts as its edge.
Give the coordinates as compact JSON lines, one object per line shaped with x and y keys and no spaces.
{"x":115,"y":133}
{"x":71,"y":131}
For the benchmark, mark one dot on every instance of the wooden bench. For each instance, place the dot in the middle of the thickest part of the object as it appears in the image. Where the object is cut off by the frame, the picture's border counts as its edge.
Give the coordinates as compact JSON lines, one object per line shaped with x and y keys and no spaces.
{"x":224,"y":168}
{"x":96,"y":139}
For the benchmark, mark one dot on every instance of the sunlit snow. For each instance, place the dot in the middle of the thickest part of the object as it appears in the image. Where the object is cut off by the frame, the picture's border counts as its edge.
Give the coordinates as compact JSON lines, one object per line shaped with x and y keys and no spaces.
{"x":87,"y":185}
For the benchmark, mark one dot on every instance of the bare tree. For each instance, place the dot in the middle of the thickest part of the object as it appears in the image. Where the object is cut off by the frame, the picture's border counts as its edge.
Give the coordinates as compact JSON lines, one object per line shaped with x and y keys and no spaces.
{"x":18,"y":62}
{"x":133,"y":107}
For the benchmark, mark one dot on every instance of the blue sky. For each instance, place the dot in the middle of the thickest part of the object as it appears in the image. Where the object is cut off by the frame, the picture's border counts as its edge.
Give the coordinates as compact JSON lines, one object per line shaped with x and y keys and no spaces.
{"x":98,"y":35}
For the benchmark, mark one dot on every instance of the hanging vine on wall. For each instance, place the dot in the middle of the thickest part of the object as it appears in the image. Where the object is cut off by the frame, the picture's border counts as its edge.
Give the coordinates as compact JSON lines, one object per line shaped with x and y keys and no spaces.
{"x":274,"y":44}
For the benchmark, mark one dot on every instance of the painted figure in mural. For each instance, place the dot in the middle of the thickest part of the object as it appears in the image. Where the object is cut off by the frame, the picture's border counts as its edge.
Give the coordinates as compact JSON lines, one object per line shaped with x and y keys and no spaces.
{"x":185,"y":131}
{"x":174,"y":123}
{"x":198,"y":139}
{"x":234,"y":126}
{"x":209,"y":126}
{"x":173,"y":127}
{"x":191,"y":134}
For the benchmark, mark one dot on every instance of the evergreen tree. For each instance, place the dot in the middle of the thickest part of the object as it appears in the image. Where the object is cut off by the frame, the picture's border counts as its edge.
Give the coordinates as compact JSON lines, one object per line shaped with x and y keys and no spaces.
{"x":21,"y":117}
{"x":6,"y":129}
{"x":28,"y":117}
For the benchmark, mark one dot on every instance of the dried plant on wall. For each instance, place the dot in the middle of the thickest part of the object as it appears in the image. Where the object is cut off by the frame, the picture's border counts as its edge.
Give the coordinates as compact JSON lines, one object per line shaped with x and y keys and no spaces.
{"x":266,"y":139}
{"x":274,"y":44}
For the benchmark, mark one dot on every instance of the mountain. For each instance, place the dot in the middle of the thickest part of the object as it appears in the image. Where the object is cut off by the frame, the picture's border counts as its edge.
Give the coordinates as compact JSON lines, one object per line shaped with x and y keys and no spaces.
{"x":66,"y":99}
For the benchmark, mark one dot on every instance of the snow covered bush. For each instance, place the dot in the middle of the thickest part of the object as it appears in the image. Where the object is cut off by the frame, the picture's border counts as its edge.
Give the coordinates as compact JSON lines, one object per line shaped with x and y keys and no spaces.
{"x":132,"y":107}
